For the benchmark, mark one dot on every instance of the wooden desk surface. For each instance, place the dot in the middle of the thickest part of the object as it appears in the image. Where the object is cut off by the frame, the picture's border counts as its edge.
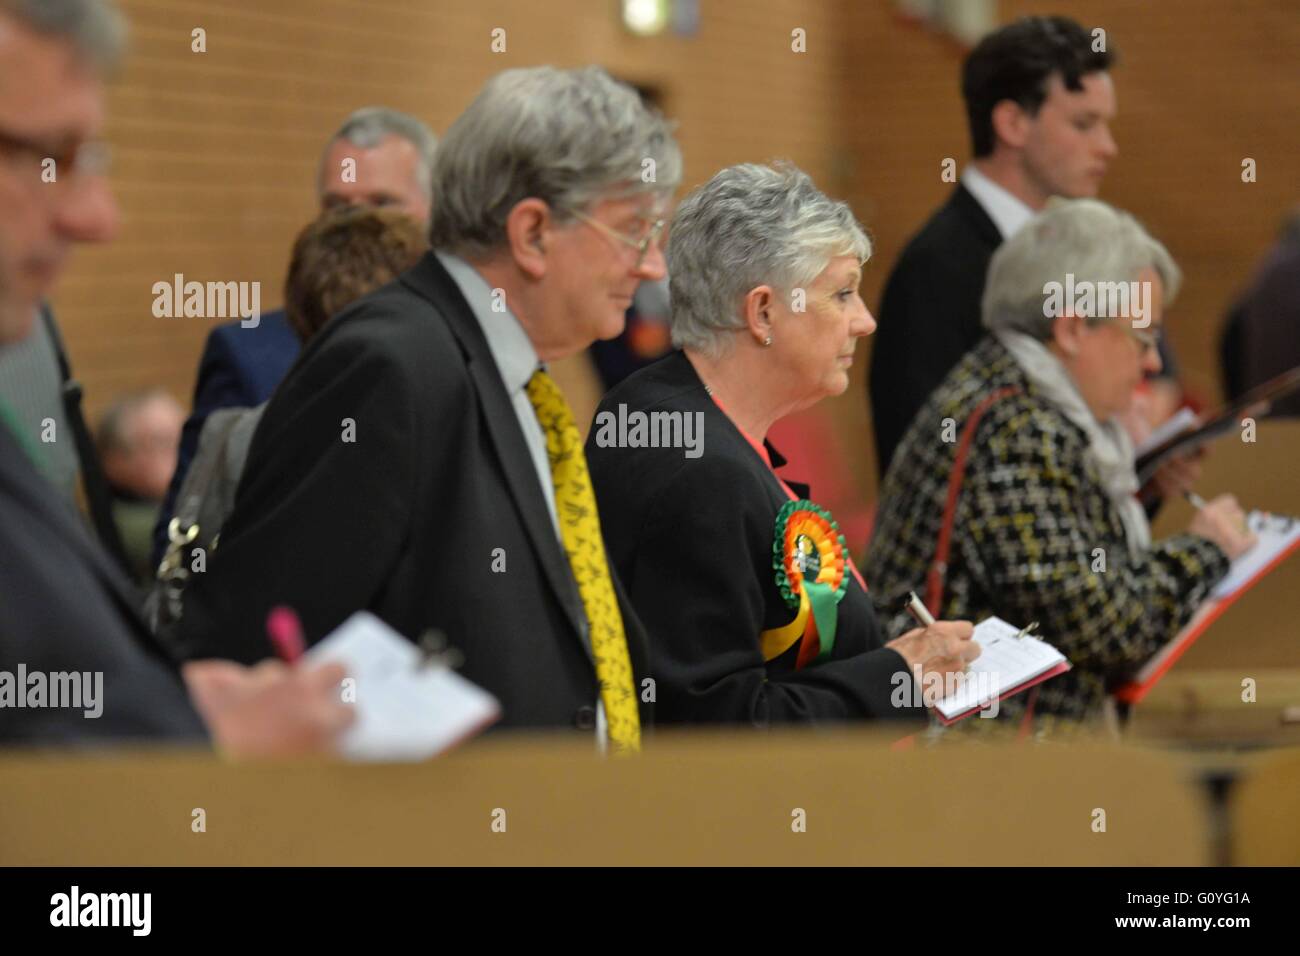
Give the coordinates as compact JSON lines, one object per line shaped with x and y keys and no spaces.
{"x":1264,"y":823}
{"x":691,"y":799}
{"x":1206,"y":707}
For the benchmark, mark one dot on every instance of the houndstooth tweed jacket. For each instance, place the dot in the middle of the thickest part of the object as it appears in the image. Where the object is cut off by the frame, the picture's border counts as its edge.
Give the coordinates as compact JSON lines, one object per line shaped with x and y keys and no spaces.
{"x":1035,"y":537}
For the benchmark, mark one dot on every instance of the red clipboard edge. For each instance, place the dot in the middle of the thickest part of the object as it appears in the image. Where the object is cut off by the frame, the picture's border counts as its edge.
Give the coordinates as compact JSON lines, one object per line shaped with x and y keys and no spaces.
{"x":1133,"y":691}
{"x":1059,"y":669}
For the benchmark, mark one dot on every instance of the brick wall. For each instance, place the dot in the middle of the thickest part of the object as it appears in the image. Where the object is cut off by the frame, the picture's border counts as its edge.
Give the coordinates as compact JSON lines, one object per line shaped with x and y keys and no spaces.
{"x":215,"y":153}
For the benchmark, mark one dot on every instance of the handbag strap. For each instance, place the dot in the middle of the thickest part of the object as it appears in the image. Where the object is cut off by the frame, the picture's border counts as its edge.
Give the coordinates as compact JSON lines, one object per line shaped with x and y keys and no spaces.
{"x":934,"y":579}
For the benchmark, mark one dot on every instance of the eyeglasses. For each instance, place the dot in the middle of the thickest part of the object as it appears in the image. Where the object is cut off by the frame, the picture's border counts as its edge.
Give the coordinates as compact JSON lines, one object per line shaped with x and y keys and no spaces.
{"x":89,"y":158}
{"x":1147,"y":341}
{"x":641,"y":245}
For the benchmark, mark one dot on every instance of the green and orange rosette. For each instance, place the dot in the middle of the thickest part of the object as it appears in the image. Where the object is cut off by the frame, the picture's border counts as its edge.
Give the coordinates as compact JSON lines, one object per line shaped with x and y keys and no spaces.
{"x":809,"y":557}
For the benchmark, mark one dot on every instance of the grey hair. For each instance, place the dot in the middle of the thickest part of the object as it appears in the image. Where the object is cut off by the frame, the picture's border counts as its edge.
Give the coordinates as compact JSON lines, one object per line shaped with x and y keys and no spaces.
{"x":567,"y":137}
{"x":368,"y":126}
{"x":94,"y":27}
{"x":1084,"y":237}
{"x":750,"y":225}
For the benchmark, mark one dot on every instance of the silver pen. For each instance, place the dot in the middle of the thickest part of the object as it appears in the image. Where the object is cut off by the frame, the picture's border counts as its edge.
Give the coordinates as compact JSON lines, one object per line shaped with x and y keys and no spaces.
{"x":918,"y":611}
{"x":925,"y":619}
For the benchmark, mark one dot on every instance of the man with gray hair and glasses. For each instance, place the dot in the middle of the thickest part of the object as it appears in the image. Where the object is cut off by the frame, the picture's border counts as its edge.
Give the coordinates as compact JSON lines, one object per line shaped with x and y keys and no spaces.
{"x":377,"y":157}
{"x":419,"y":462}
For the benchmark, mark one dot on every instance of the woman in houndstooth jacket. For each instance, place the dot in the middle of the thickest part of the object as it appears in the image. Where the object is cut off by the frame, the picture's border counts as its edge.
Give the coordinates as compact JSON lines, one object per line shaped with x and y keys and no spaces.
{"x":1013,"y":492}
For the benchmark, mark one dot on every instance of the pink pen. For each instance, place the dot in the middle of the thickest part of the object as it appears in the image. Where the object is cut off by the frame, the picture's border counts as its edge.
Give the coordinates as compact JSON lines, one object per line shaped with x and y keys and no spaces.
{"x":285,"y":631}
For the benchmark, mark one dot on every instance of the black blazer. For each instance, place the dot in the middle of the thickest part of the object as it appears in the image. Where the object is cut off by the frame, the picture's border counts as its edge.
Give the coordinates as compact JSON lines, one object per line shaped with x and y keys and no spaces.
{"x":409,"y":519}
{"x":692,"y":541}
{"x":240,"y":367}
{"x":929,"y":315}
{"x":65,"y":606}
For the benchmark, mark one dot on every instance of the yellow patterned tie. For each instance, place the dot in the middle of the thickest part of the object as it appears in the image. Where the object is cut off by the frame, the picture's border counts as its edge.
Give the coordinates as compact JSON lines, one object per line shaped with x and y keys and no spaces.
{"x":575,"y":504}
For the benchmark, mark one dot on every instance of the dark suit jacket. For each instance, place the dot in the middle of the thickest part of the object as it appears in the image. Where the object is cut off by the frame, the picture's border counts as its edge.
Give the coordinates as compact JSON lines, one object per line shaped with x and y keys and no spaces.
{"x":1264,"y":329}
{"x":692,"y":541}
{"x":240,"y":368}
{"x":64,"y":606}
{"x":929,"y":315}
{"x":407,"y":520}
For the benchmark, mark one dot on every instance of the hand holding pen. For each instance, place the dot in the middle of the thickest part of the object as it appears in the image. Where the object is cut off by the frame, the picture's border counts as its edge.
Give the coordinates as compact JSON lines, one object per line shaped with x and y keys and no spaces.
{"x":943,"y":646}
{"x":1223,"y":522}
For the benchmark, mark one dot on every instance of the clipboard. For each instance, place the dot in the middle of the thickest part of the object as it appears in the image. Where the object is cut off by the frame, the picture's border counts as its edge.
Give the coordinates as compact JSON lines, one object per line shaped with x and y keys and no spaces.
{"x":1012,"y":662}
{"x":1256,"y":403}
{"x":1279,"y":539}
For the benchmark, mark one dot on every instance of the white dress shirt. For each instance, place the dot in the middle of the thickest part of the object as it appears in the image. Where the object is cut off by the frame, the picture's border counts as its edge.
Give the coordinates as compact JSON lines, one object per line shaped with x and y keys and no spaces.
{"x":1007,"y":211}
{"x":516,"y":360}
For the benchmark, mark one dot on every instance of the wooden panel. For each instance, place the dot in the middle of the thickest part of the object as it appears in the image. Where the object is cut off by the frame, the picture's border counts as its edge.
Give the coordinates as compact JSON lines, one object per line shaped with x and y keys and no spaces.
{"x":1203,"y":707}
{"x":1200,"y":86}
{"x":216,"y":152}
{"x":1265,"y":825}
{"x":704,"y":799}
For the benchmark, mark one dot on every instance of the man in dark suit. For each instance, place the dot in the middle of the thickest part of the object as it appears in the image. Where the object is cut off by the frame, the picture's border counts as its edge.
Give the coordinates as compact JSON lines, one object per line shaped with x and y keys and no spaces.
{"x":37,"y":384}
{"x":1039,"y":102}
{"x":378,"y":157}
{"x":419,"y":462}
{"x":56,"y":582}
{"x":77,"y":664}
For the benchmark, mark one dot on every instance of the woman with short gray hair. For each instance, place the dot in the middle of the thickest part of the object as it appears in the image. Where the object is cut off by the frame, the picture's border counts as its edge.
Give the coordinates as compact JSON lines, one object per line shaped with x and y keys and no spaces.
{"x":1013,"y":492}
{"x":754,"y":611}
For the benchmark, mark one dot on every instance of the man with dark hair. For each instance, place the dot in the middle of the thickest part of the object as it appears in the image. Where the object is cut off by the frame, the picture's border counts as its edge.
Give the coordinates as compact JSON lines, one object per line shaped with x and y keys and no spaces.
{"x":1039,"y":100}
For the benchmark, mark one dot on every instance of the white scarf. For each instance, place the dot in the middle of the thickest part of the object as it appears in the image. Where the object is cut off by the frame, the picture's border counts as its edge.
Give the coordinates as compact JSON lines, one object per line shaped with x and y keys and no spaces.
{"x":1109,"y":447}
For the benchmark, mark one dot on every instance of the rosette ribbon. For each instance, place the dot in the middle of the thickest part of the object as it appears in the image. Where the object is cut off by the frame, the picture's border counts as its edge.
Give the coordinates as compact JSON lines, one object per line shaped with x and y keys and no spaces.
{"x":809,"y":560}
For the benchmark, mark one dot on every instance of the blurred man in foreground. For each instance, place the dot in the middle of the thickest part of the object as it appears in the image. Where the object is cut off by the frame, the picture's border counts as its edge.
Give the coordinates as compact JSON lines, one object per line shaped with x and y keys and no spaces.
{"x":69,"y":621}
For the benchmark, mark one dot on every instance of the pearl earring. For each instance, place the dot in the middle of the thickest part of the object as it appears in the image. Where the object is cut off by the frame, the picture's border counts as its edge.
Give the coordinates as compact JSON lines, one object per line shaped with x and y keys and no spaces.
{"x":767,"y":341}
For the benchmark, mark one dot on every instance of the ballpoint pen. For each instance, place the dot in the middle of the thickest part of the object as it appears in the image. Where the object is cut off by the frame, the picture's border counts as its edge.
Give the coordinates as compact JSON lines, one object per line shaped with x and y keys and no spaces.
{"x":925,"y":619}
{"x":285,"y":631}
{"x":918,"y":610}
{"x":1197,"y":502}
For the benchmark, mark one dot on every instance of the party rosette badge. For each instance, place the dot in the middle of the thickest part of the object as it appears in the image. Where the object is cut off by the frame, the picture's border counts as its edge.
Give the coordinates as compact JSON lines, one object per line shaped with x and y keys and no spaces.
{"x":808,"y":555}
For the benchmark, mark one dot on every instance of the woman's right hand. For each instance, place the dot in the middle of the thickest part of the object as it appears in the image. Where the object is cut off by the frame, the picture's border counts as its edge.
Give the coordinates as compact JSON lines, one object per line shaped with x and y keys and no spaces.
{"x":1224,"y":523}
{"x":944,"y":646}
